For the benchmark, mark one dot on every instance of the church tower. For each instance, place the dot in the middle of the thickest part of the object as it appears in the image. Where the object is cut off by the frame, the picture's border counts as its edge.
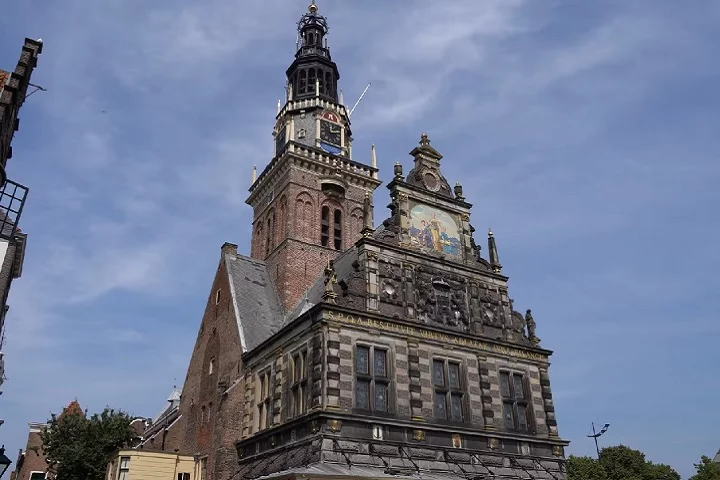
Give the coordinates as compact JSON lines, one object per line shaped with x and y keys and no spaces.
{"x":308,"y":201}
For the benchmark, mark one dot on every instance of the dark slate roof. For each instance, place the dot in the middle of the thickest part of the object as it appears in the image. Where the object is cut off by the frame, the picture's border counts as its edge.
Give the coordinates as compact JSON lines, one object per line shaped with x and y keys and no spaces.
{"x":523,"y":469}
{"x":334,"y":471}
{"x":257,"y":307}
{"x":173,"y":403}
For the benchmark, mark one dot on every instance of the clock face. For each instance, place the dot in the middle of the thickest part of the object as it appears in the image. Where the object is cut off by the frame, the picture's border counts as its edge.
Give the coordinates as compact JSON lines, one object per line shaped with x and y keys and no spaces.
{"x":330,"y":132}
{"x":431,"y":182}
{"x":280,"y":140}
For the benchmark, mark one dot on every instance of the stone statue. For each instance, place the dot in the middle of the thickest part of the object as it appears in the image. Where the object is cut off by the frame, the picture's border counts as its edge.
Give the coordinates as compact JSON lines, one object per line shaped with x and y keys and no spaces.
{"x":368,"y":221}
{"x":530,"y":323}
{"x":329,"y":294}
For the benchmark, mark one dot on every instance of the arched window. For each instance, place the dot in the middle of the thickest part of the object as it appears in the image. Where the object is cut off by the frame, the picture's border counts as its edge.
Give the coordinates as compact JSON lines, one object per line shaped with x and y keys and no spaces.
{"x":259,"y":239}
{"x":311,"y":80}
{"x":308,"y":219}
{"x":269,"y":236}
{"x":338,"y":230}
{"x":273,"y":233}
{"x":325,"y":226}
{"x":283,"y":219}
{"x":303,"y":82}
{"x":329,"y":84}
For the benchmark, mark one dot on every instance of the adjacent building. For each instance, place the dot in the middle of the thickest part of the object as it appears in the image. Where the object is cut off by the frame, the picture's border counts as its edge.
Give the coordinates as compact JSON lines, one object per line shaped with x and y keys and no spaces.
{"x":342,"y":348}
{"x":156,"y":431}
{"x":13,"y":92}
{"x":31,"y":462}
{"x":135,"y":464}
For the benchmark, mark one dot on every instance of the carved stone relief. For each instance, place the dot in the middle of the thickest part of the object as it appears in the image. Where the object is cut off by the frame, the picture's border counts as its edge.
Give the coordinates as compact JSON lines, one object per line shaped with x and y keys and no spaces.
{"x":441,"y":299}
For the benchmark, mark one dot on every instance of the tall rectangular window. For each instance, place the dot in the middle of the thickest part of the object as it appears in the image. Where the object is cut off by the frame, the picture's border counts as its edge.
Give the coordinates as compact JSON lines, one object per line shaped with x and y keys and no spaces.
{"x":124,"y":472}
{"x":448,"y":390}
{"x":372,"y":379}
{"x":338,"y":230}
{"x":265,"y":404}
{"x":325,"y":226}
{"x":515,"y":401}
{"x":299,"y":383}
{"x":183,"y":476}
{"x":203,"y":468}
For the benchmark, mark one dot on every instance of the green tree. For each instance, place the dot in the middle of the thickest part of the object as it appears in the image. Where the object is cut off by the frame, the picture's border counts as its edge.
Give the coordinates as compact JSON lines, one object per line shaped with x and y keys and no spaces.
{"x":660,"y":471}
{"x":624,"y":463}
{"x":77,"y":447}
{"x":584,"y":468}
{"x":706,"y":470}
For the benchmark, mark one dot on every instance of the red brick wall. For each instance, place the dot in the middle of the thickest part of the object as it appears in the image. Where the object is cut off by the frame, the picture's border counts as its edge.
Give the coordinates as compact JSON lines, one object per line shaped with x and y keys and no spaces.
{"x":297,"y":257}
{"x":209,"y":419}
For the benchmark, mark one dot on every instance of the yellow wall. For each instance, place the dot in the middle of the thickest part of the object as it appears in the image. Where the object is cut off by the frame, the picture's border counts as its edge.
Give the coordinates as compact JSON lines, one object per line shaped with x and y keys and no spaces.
{"x":148,"y":465}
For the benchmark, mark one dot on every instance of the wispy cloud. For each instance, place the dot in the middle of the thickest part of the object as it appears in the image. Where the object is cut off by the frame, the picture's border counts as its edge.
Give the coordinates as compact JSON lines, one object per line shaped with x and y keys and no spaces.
{"x":584,"y":135}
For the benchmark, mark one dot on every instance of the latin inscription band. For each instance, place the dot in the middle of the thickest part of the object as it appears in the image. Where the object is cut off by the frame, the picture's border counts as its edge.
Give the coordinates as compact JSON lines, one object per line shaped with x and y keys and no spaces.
{"x":431,"y":335}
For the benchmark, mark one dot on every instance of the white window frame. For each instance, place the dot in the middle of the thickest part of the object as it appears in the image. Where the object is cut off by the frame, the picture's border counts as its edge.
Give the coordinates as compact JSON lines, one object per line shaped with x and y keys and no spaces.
{"x":125,"y":469}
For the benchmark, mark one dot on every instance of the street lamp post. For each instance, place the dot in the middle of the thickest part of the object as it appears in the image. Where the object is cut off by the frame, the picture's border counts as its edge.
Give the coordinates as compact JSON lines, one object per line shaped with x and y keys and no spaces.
{"x":596,"y":435}
{"x":4,"y":461}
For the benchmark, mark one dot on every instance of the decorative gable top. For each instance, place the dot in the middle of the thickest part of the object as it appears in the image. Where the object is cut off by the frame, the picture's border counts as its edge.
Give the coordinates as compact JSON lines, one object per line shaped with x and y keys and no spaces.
{"x":426,"y":172}
{"x":428,"y":217}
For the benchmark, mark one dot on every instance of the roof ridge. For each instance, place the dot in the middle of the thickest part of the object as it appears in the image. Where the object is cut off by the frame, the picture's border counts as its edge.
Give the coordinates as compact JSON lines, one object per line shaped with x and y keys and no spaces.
{"x":238,"y":256}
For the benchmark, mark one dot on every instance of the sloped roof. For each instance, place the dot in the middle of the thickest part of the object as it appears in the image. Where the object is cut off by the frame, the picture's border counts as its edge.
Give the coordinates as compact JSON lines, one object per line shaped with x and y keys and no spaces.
{"x":257,"y":306}
{"x":356,"y":471}
{"x":173,"y":402}
{"x":73,"y":408}
{"x":717,"y":457}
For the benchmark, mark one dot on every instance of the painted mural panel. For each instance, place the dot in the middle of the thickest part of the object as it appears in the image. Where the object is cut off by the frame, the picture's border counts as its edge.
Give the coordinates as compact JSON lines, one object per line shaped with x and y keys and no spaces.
{"x":434,"y":229}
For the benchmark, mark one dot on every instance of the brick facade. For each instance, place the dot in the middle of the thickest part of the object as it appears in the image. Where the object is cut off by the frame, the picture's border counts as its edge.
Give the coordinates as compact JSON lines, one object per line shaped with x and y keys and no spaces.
{"x":13,"y":91}
{"x":212,"y":402}
{"x":31,"y":459}
{"x":287,"y":229}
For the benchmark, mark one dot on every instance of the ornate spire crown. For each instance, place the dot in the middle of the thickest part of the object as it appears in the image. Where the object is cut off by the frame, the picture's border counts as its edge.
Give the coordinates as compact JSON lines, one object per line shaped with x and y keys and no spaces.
{"x":313,"y":73}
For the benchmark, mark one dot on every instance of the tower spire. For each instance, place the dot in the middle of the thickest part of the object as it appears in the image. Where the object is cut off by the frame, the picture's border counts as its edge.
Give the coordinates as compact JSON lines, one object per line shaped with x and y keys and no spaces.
{"x":313,"y":73}
{"x":492,"y":249}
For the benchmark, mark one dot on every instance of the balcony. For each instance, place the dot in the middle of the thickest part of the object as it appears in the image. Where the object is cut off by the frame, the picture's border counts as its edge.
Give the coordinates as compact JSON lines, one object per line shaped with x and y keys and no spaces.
{"x":12,"y":200}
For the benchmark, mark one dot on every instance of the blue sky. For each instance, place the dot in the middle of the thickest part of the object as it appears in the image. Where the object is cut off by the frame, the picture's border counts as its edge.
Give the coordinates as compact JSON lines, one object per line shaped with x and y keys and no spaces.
{"x":585,"y":134}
